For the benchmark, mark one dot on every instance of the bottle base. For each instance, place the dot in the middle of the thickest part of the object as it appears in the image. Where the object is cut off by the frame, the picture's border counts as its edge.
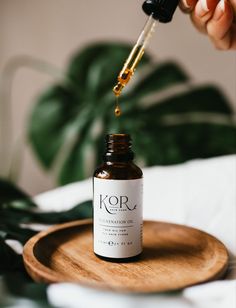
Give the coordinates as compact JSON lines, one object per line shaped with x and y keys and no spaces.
{"x":119,"y":260}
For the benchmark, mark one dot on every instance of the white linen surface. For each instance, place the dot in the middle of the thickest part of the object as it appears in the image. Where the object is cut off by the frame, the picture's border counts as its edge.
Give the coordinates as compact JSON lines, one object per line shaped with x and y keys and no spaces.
{"x":200,"y":193}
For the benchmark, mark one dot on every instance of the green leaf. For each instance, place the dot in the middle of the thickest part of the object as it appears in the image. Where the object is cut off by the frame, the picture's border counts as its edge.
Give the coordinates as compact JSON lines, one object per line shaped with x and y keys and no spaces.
{"x":180,"y":143}
{"x":9,"y":259}
{"x":82,"y":211}
{"x":160,"y":77}
{"x":17,"y":233}
{"x":16,"y":209}
{"x":165,"y":115}
{"x":11,"y":218}
{"x":204,"y":99}
{"x":10,"y":193}
{"x":56,"y":109}
{"x":182,"y":128}
{"x":14,"y":212}
{"x":17,"y":216}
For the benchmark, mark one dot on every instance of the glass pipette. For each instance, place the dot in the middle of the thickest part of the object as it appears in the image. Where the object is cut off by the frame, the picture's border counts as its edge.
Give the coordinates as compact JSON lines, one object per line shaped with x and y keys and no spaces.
{"x":135,"y":56}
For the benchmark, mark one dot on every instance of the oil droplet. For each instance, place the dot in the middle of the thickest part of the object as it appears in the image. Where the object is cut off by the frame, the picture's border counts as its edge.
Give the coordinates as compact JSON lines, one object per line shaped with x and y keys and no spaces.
{"x":117,"y":111}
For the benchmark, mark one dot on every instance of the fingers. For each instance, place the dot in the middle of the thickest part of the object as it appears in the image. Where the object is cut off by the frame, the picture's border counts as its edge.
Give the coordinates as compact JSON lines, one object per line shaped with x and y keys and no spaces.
{"x":216,"y":18}
{"x":219,"y":28}
{"x":202,"y":13}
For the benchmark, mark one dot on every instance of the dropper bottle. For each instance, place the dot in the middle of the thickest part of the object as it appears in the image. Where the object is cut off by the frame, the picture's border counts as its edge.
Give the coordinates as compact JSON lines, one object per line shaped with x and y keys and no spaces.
{"x":158,"y":10}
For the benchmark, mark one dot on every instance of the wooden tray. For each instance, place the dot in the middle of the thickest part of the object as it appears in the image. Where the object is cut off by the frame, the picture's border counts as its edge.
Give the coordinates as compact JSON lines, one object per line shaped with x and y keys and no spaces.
{"x":174,"y":257}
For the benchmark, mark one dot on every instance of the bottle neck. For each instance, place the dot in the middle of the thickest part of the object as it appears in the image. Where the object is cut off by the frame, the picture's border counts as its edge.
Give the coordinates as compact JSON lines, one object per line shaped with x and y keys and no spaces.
{"x":118,"y":148}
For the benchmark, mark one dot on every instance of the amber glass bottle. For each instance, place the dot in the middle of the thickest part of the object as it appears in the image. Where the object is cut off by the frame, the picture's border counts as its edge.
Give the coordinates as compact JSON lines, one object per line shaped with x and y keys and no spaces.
{"x":117,"y":203}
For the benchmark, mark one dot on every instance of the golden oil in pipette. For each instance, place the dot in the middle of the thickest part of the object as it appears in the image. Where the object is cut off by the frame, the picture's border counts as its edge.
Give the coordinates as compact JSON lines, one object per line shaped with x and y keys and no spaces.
{"x":126,"y":74}
{"x":128,"y":69}
{"x":135,"y":56}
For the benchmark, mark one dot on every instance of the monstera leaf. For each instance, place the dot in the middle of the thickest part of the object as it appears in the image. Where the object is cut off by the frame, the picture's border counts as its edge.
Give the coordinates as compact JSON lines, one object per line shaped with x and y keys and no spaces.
{"x":169,"y":120}
{"x":16,"y":210}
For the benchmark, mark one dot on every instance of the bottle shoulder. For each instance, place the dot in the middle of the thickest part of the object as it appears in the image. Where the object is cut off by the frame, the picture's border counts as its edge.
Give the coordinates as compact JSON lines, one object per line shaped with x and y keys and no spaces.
{"x":118,"y":171}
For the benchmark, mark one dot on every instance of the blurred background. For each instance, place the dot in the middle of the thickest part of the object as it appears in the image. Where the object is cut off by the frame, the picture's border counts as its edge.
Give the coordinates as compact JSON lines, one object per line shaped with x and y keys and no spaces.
{"x":53,"y":30}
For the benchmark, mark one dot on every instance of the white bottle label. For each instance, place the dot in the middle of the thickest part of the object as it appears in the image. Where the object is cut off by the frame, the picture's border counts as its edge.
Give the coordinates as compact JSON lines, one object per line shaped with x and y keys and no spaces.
{"x":118,"y":217}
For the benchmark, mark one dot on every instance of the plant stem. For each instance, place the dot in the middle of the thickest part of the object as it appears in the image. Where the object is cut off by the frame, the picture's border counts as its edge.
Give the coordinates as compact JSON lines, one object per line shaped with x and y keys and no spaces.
{"x":6,"y":136}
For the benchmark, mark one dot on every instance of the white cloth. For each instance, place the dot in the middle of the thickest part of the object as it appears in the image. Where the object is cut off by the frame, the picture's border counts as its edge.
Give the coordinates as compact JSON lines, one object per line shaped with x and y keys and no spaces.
{"x":200,"y":193}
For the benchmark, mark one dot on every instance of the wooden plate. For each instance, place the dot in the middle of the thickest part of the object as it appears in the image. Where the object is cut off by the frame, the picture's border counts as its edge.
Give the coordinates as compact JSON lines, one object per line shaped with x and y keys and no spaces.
{"x":174,"y":257}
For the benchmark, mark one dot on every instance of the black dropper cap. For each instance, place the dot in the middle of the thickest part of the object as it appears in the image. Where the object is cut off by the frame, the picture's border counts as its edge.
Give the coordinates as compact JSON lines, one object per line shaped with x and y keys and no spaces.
{"x":162,"y":10}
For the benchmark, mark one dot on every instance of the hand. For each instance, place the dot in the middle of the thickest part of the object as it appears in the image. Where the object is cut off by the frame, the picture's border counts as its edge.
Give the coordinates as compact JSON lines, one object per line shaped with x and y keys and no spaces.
{"x":215,"y":18}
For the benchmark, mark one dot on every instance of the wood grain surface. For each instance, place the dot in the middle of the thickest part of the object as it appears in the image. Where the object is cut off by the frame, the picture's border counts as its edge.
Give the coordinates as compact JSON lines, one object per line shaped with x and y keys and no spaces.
{"x":174,"y":257}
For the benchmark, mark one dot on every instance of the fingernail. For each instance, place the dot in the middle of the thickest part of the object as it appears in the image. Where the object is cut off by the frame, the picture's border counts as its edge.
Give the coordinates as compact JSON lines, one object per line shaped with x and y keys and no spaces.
{"x":185,"y":4}
{"x":201,"y":8}
{"x":219,"y":10}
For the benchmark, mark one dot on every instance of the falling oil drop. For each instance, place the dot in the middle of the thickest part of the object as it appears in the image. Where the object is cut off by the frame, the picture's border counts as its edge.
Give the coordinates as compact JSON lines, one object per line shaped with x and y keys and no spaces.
{"x":117,"y":109}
